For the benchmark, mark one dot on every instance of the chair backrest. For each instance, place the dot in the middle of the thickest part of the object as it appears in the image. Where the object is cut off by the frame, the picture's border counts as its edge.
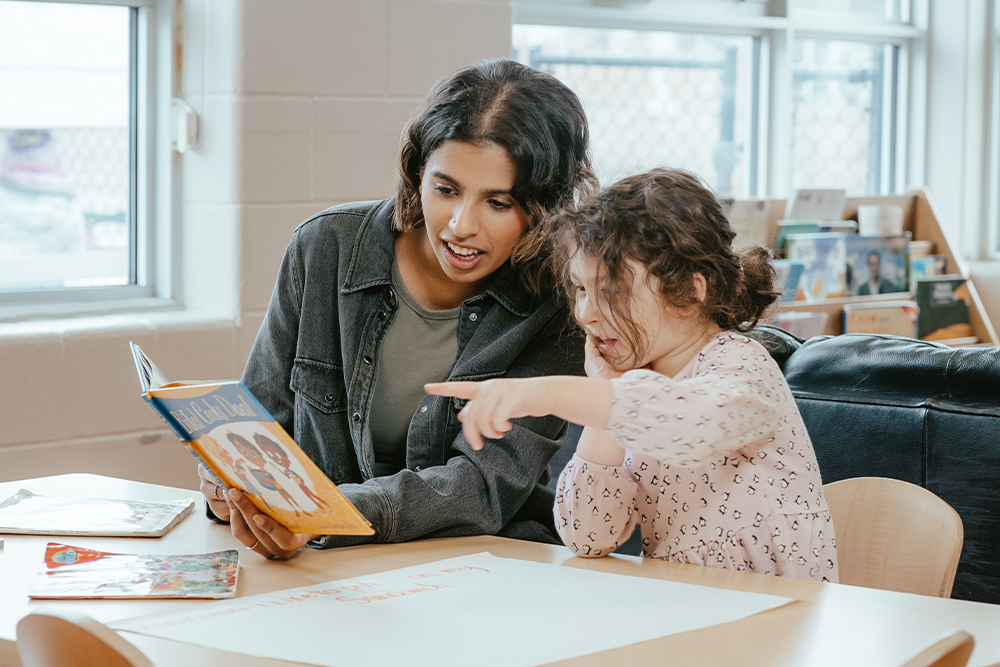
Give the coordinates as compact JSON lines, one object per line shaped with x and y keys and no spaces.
{"x":894,"y":535}
{"x":66,"y":639}
{"x":950,"y":650}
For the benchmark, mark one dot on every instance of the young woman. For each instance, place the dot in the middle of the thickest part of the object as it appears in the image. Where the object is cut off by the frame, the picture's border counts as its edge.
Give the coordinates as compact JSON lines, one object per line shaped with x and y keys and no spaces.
{"x":692,"y":436}
{"x":444,"y":281}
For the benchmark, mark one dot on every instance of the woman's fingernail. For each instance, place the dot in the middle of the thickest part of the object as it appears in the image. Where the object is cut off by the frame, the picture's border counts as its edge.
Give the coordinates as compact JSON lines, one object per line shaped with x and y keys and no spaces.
{"x":259,"y":520}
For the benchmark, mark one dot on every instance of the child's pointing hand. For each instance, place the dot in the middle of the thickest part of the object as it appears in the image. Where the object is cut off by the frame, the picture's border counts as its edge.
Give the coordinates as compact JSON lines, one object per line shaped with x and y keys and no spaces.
{"x":492,"y":404}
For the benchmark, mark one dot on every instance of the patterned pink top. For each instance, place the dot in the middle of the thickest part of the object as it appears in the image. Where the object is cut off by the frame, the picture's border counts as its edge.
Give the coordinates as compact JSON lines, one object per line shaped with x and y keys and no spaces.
{"x":718,"y":471}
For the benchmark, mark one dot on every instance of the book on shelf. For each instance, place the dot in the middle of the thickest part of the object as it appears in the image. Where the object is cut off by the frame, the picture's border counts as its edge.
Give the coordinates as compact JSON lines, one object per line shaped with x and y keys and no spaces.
{"x":803,"y":324}
{"x":26,"y":513}
{"x":231,"y":432}
{"x":786,"y":228}
{"x":821,"y":203}
{"x":748,"y":219}
{"x":897,"y":318}
{"x":921,"y":268}
{"x":72,"y":572}
{"x":877,"y":264}
{"x":944,"y":303}
{"x":824,"y":258}
{"x":787,"y":273}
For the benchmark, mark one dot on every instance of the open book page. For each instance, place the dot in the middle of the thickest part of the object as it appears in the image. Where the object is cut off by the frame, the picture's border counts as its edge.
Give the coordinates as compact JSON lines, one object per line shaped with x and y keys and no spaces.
{"x":27,"y":513}
{"x":76,"y":572}
{"x":150,"y":377}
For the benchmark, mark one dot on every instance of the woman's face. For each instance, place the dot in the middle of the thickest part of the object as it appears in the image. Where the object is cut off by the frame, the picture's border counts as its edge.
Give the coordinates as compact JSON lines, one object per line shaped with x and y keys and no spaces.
{"x":472,"y":220}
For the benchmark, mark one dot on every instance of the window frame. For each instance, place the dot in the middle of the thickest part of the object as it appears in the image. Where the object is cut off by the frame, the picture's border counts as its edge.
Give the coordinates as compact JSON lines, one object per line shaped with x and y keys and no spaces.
{"x":771,"y":132}
{"x":152,"y":178}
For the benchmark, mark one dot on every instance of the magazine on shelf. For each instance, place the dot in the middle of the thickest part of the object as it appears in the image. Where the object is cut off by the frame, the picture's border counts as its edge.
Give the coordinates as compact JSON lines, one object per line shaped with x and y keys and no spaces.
{"x":803,"y":324}
{"x":748,"y":219}
{"x":26,"y":513}
{"x":877,"y":264}
{"x":787,"y":273}
{"x":72,"y":572}
{"x":944,"y":303}
{"x":825,"y":204}
{"x":897,"y":318}
{"x":824,"y":259}
{"x":231,"y":432}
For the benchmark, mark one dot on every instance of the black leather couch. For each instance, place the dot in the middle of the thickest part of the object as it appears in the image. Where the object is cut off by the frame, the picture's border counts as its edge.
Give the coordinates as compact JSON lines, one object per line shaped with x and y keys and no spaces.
{"x":885,"y":406}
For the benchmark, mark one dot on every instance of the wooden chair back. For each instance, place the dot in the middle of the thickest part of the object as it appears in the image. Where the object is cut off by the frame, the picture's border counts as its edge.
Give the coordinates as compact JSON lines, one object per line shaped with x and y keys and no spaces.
{"x":894,"y":535}
{"x":66,"y":639}
{"x":950,"y":650}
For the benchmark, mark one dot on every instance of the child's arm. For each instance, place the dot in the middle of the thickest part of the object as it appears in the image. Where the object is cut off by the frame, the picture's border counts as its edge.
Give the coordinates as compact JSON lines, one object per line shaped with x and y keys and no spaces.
{"x":493,"y":403}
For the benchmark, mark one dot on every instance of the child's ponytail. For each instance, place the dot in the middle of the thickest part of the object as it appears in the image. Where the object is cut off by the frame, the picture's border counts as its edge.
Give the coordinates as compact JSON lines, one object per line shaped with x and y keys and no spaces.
{"x":755,"y":291}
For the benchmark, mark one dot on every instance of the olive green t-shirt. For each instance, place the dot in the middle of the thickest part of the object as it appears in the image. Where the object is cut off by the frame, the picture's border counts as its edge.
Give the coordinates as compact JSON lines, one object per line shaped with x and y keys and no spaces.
{"x":420,"y":347}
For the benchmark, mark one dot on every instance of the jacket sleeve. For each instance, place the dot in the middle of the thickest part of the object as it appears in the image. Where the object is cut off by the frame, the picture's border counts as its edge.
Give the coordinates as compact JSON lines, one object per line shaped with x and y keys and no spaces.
{"x":732,"y":400}
{"x":473,"y":492}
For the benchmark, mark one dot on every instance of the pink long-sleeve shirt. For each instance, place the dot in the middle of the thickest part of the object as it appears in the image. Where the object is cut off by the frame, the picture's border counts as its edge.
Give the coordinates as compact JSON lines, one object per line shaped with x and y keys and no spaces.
{"x":719,"y":471}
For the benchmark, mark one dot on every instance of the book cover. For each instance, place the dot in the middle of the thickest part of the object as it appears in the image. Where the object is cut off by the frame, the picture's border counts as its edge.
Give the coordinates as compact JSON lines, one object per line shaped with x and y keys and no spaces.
{"x":944,"y":303}
{"x":824,"y":258}
{"x":803,"y":324}
{"x":78,"y":573}
{"x":897,"y":318}
{"x":232,"y":433}
{"x":825,"y":204}
{"x":921,"y":268}
{"x":877,"y":264}
{"x":749,"y":220}
{"x":26,"y":513}
{"x":787,"y":273}
{"x":786,"y":228}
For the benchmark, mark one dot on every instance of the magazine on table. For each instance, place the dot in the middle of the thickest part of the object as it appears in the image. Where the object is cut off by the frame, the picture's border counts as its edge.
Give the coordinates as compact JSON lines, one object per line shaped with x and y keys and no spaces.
{"x":26,"y":513}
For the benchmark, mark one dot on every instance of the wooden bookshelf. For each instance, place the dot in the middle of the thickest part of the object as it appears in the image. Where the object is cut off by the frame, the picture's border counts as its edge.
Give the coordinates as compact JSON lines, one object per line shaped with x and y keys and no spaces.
{"x":919,"y":219}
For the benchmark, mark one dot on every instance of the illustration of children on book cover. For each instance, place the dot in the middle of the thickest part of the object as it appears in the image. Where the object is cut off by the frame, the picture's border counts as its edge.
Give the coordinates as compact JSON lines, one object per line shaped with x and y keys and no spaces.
{"x":226,"y":428}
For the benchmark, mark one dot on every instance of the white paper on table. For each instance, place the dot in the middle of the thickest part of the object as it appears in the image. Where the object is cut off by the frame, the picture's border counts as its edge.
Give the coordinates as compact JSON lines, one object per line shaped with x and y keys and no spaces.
{"x":477,"y":609}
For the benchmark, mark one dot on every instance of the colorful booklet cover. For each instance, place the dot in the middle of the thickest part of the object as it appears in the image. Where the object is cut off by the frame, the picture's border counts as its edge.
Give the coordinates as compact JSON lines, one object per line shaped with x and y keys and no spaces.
{"x":824,"y":257}
{"x":75,"y":572}
{"x":897,"y":318}
{"x":236,"y":438}
{"x":787,"y":273}
{"x":877,"y":264}
{"x":944,"y":308}
{"x":25,"y":513}
{"x":803,"y":324}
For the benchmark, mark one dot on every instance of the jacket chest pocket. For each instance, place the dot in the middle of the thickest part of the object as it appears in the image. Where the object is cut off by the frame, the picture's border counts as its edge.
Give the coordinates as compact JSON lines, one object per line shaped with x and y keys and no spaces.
{"x":320,"y":385}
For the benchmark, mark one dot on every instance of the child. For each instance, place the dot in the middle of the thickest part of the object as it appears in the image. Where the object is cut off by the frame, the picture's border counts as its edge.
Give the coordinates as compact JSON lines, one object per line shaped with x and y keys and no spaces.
{"x":691,"y":433}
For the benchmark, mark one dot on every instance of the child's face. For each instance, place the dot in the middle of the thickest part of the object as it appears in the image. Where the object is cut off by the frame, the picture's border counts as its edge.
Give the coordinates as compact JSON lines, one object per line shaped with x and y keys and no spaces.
{"x":670,"y":335}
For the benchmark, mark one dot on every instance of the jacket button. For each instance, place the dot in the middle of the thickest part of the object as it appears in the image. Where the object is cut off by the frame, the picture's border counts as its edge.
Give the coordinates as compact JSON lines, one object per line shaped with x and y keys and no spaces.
{"x":473,"y":317}
{"x":367,"y":359}
{"x":356,"y":417}
{"x":423,"y":408}
{"x":417,"y":468}
{"x":382,"y":315}
{"x":328,"y":398}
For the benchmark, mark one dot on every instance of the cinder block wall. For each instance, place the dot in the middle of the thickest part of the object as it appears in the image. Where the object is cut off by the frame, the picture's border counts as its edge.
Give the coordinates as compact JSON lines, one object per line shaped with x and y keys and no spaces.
{"x":302,"y":103}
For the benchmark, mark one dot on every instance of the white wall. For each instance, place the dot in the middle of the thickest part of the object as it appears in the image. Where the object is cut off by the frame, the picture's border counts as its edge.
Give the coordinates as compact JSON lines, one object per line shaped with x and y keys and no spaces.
{"x":302,"y":103}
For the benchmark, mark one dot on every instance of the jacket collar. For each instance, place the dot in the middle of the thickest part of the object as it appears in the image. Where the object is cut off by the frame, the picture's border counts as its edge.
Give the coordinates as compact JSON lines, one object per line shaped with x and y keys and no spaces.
{"x":375,"y":249}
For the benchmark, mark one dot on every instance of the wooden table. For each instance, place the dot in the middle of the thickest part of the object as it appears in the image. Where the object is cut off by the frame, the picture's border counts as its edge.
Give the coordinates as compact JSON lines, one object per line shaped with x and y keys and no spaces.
{"x":829,"y":625}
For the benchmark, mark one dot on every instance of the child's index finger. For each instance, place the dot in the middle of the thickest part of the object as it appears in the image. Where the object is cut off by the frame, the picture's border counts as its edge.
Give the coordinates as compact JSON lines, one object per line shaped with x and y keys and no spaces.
{"x":465,"y":390}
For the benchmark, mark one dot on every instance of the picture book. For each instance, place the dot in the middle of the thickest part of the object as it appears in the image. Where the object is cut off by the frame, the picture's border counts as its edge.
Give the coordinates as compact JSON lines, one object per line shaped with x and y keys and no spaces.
{"x":825,"y":204}
{"x":824,"y":259}
{"x":78,"y":573}
{"x":944,"y":303}
{"x":26,"y":513}
{"x":236,"y":438}
{"x":920,"y":268}
{"x":803,"y":324}
{"x":749,"y":220}
{"x":877,"y":264}
{"x":897,"y":318}
{"x":787,"y":228}
{"x":787,"y":273}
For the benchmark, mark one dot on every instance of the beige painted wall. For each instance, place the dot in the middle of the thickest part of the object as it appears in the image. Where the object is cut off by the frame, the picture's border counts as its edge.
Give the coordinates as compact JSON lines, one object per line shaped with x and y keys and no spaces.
{"x":302,"y":103}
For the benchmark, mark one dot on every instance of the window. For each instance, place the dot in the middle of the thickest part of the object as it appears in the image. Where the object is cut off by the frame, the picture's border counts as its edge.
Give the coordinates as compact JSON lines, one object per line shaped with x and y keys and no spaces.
{"x":74,"y":160}
{"x":756,"y":104}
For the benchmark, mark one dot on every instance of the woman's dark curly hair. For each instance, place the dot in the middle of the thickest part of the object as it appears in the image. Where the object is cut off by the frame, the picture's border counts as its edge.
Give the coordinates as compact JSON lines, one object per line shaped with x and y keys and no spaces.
{"x":671,"y":224}
{"x":534,"y":117}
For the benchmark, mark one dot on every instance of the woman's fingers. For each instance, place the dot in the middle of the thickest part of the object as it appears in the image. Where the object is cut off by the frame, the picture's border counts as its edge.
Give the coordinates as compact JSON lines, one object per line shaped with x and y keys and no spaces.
{"x":214,"y":493}
{"x":464,"y":390}
{"x":254,"y":530}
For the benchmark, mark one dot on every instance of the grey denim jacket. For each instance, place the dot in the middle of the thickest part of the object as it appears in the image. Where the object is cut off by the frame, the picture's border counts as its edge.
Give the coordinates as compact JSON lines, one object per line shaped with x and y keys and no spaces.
{"x":314,"y":365}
